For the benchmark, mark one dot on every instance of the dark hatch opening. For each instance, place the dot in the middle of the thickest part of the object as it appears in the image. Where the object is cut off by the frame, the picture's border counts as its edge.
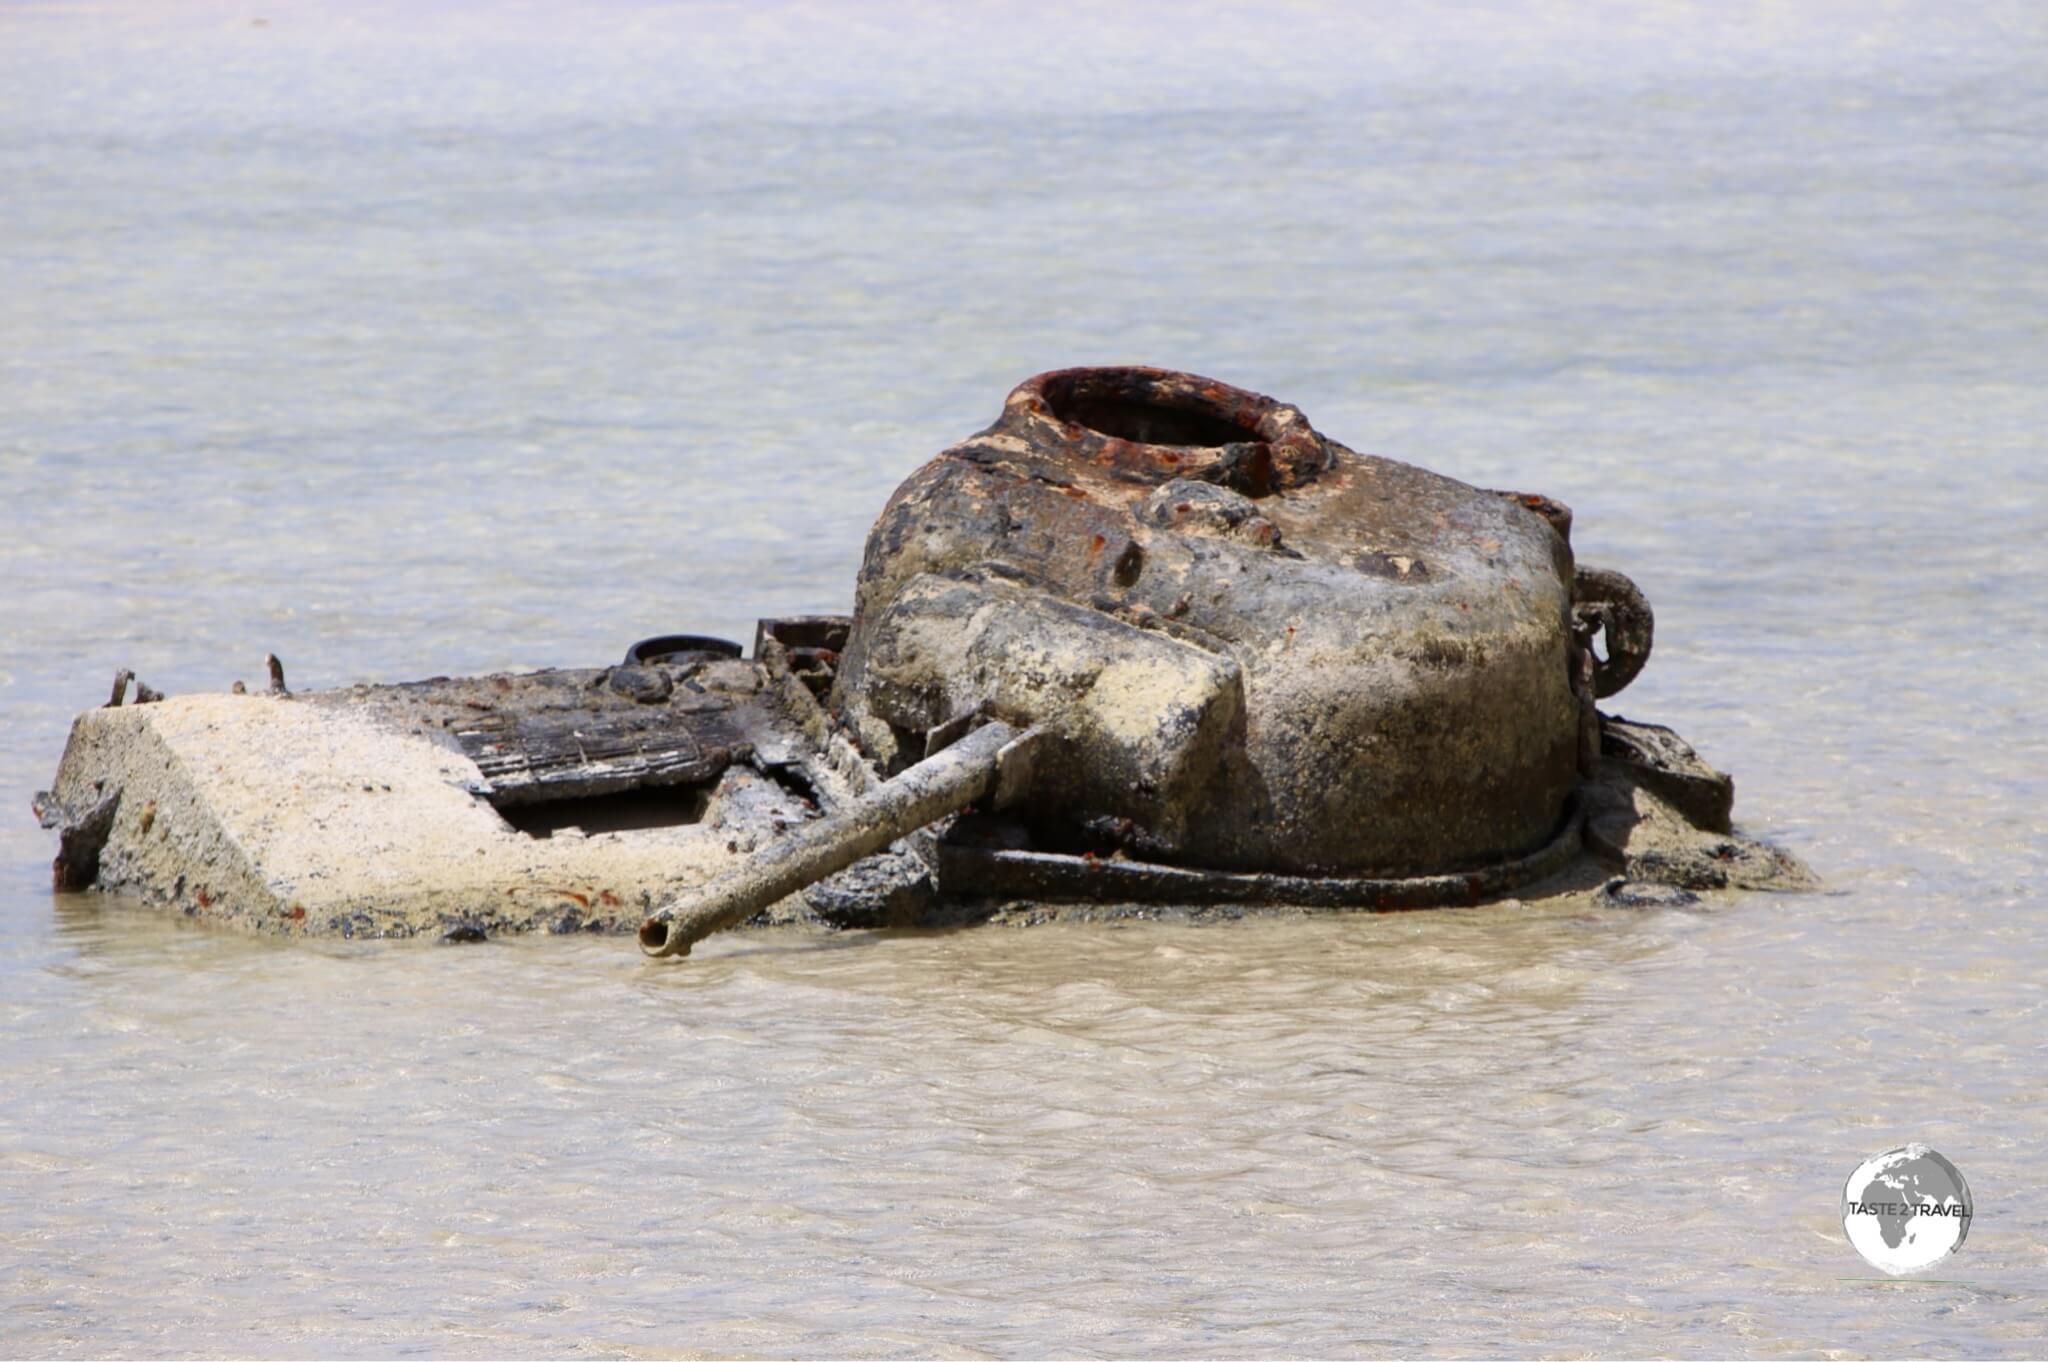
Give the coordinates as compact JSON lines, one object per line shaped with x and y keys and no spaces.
{"x":1126,"y":411}
{"x":639,"y":810}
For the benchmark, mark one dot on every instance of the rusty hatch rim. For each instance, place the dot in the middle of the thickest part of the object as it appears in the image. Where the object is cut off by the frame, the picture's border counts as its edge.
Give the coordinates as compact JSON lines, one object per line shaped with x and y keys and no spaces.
{"x":1157,"y":424}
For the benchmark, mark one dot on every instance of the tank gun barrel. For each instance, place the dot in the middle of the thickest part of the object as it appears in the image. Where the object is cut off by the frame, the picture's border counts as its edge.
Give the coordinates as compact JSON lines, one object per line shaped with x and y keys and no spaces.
{"x":987,"y":763}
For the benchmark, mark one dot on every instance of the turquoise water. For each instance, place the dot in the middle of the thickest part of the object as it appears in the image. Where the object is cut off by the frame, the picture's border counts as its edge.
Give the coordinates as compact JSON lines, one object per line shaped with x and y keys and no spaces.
{"x":403,"y":342}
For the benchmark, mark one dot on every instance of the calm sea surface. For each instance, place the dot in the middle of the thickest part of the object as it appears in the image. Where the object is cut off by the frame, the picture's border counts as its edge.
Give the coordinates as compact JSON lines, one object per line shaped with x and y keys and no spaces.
{"x":404,"y":340}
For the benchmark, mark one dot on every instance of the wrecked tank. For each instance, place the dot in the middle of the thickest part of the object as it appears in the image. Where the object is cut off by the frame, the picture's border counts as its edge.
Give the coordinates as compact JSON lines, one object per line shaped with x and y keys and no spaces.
{"x":1146,"y":639}
{"x":1253,"y":648}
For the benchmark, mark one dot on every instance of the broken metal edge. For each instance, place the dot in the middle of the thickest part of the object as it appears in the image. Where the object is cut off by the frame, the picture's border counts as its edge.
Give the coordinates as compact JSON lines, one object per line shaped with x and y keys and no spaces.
{"x":963,"y":870}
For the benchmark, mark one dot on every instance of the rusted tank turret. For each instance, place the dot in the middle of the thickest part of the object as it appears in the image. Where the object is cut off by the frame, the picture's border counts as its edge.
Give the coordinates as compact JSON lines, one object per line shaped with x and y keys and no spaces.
{"x":1235,"y":645}
{"x":1257,"y":649}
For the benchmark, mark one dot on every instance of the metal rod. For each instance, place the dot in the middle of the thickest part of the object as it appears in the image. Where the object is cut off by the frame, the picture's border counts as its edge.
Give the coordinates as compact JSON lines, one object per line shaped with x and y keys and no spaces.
{"x":941,"y":784}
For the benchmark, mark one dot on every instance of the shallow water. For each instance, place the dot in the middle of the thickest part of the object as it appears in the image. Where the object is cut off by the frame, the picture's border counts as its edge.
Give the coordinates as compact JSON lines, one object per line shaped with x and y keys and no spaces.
{"x":402,"y":344}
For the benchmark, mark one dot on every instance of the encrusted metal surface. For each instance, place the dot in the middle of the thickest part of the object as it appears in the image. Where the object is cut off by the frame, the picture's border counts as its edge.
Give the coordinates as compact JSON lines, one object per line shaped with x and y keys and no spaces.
{"x":967,"y":865}
{"x":572,"y":733}
{"x":1394,"y":649}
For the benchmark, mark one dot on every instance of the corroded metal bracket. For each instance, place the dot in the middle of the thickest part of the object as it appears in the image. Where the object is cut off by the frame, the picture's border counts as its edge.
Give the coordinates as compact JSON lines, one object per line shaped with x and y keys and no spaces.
{"x":82,"y":831}
{"x":1607,"y":604}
